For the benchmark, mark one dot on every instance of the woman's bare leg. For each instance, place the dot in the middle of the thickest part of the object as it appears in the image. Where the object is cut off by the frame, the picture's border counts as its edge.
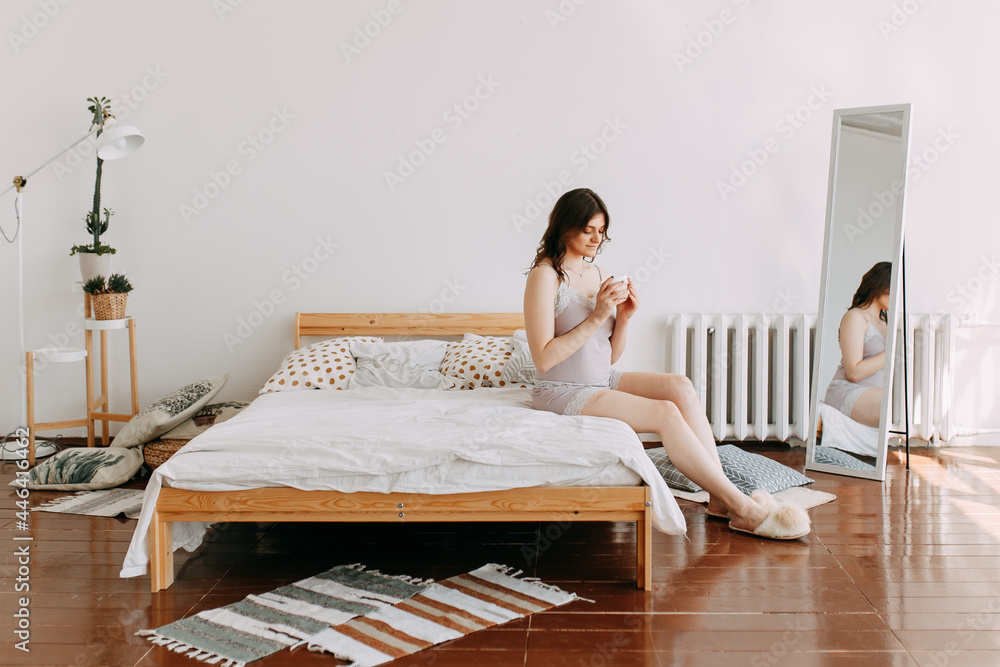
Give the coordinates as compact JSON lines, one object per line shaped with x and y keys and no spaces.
{"x":678,"y":390}
{"x":867,"y":409}
{"x":686,"y":451}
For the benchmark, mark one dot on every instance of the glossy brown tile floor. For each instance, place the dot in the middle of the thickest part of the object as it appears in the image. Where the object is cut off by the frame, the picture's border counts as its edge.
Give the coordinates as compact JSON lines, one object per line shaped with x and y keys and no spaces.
{"x":901,"y":573}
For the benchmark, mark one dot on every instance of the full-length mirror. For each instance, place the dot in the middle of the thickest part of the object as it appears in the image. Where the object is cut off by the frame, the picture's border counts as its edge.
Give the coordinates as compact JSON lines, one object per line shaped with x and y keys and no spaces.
{"x":861,"y":261}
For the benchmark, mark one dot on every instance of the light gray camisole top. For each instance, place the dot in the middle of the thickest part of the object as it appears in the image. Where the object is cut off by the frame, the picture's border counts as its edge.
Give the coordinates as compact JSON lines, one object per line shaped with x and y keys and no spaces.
{"x":591,"y":364}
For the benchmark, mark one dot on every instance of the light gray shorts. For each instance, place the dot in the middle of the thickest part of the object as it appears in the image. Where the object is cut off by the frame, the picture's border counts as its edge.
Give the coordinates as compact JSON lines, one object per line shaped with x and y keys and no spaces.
{"x":567,"y":398}
{"x":842,"y":395}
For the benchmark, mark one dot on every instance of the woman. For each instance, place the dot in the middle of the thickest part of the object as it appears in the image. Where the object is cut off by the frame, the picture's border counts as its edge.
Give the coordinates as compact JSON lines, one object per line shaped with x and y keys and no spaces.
{"x":856,"y":387}
{"x":577,"y":320}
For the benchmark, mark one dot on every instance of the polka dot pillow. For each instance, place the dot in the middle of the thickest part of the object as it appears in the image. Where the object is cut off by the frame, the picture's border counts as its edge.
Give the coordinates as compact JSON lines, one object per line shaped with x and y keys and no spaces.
{"x":325,"y":365}
{"x":478,"y":361}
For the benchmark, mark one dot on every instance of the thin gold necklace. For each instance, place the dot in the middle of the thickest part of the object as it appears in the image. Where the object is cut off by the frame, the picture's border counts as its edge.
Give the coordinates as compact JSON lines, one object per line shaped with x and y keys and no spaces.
{"x":579,"y":273}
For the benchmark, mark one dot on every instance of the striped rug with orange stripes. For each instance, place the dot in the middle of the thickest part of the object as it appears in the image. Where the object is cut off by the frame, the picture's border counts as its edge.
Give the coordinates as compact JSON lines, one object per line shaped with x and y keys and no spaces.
{"x":446,"y":610}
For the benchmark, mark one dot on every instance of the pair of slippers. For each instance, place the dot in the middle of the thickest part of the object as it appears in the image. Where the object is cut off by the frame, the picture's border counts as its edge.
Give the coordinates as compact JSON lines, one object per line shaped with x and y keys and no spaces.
{"x":784,"y":522}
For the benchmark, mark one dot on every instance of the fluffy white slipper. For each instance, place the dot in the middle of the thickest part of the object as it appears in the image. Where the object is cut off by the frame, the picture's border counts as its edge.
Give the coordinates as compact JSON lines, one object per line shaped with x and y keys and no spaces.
{"x":785,"y":522}
{"x":760,"y":496}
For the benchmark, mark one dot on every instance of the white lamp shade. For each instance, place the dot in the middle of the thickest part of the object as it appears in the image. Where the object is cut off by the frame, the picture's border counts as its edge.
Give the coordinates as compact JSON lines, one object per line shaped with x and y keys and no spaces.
{"x":118,"y":141}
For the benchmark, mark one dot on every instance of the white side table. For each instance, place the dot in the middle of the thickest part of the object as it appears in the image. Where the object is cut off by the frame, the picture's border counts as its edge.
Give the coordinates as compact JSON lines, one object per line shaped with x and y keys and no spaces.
{"x":60,"y":355}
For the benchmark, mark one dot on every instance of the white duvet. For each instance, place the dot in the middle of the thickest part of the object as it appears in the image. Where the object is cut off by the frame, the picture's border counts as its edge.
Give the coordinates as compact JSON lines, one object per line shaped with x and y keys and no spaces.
{"x":386,"y":440}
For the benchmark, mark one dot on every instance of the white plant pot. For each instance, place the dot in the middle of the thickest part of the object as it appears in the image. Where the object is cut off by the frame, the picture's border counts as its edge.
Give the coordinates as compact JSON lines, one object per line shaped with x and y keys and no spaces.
{"x":92,"y":265}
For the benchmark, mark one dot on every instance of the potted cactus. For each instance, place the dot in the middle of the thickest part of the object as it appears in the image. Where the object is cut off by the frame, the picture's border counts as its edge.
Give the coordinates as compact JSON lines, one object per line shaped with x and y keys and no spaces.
{"x":95,"y":257}
{"x":108,"y":298}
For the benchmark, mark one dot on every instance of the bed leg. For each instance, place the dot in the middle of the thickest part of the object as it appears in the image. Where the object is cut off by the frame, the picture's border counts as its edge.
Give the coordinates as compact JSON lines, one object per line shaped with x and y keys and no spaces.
{"x":161,"y":553}
{"x":644,"y":548}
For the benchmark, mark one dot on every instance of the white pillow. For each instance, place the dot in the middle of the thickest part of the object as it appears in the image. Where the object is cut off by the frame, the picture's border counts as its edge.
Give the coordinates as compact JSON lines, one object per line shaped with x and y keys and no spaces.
{"x":519,"y":369}
{"x":399,"y":364}
{"x":324,"y":365}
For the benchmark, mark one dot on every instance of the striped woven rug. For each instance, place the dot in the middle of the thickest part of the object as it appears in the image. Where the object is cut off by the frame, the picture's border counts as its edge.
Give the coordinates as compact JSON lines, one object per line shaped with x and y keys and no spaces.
{"x":109,"y":502}
{"x":446,"y":610}
{"x":260,"y":625}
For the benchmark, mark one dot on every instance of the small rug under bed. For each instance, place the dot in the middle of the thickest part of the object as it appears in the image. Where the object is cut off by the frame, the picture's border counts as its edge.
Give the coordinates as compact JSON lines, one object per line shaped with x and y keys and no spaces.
{"x":109,"y":502}
{"x":364,"y":617}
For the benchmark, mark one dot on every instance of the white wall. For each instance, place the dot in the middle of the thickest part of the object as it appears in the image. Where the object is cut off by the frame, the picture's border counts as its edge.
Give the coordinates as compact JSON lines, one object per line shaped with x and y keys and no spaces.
{"x":209,"y":79}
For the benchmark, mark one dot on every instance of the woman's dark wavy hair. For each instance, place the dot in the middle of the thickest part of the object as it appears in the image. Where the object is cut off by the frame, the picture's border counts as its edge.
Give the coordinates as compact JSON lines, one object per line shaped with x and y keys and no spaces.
{"x":874,"y":284}
{"x":569,"y":217}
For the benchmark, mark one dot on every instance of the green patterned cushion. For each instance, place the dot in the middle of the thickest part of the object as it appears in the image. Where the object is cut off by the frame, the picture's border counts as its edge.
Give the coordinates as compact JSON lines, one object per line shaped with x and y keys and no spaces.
{"x":169,"y":411}
{"x":84,"y":469}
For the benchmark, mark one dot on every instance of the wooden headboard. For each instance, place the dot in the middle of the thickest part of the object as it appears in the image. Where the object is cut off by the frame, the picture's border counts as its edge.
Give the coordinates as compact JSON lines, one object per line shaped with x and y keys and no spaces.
{"x":405,"y":324}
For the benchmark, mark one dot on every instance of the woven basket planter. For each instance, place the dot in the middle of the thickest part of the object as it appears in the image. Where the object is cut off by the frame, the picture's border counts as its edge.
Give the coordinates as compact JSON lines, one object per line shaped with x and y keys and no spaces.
{"x":158,"y":451}
{"x":109,"y":306}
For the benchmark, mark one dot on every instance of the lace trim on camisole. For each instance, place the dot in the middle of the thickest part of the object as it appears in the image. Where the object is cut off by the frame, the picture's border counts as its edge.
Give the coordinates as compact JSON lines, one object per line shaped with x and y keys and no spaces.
{"x":565,"y":294}
{"x":871,"y":332}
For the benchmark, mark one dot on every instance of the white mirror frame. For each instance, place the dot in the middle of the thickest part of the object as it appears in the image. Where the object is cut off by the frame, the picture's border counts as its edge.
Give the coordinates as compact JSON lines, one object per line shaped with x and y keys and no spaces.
{"x":885,"y":422}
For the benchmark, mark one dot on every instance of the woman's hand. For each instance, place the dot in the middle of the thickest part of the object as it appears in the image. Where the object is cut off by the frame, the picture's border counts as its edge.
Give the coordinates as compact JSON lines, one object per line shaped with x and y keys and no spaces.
{"x":609,"y":297}
{"x":627,"y":308}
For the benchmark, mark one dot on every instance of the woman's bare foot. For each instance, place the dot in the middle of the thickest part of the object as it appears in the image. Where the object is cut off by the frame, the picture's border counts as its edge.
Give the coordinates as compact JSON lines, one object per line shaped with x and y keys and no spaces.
{"x":748,"y":515}
{"x":716,"y":508}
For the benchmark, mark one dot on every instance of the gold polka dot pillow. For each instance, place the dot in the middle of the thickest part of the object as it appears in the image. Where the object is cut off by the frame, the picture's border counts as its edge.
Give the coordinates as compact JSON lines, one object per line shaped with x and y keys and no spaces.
{"x":325,"y":365}
{"x":477,"y":361}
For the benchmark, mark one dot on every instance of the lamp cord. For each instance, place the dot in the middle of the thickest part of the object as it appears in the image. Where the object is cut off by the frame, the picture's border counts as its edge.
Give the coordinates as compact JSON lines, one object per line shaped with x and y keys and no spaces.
{"x":17,"y":214}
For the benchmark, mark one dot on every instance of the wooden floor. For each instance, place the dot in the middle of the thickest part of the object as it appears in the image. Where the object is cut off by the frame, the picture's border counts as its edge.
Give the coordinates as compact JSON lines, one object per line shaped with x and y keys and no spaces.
{"x":901,"y":573}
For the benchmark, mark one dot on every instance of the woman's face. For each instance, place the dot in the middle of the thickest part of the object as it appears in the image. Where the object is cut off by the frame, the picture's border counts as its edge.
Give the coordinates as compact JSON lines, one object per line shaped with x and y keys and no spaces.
{"x":587,"y":242}
{"x":883,"y":301}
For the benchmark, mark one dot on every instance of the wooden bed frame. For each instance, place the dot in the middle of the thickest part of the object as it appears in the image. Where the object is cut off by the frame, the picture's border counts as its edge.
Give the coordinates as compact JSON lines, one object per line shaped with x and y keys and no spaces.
{"x":630,"y":504}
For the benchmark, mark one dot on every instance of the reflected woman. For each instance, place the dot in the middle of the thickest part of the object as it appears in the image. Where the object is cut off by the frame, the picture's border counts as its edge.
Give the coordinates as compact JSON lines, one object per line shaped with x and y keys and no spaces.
{"x":856,"y":387}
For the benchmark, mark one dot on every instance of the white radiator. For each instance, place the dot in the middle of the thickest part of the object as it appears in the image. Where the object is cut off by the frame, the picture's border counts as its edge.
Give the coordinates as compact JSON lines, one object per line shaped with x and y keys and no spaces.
{"x":931,"y":345}
{"x":753,"y":372}
{"x":750,"y":371}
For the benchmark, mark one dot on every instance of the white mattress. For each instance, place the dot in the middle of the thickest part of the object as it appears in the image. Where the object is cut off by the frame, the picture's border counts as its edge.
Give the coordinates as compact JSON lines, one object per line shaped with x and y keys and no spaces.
{"x":401,"y":440}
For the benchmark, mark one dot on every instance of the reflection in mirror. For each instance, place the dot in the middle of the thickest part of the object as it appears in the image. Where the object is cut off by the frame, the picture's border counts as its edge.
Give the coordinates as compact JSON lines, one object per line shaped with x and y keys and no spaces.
{"x":856,"y":323}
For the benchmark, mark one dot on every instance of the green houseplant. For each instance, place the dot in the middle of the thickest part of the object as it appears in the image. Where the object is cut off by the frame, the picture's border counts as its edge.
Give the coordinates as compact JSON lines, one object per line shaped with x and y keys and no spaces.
{"x":108,"y":298}
{"x":95,"y":257}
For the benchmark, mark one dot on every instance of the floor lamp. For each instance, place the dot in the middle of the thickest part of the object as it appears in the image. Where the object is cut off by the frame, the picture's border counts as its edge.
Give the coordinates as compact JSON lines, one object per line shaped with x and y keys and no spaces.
{"x":114,"y":141}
